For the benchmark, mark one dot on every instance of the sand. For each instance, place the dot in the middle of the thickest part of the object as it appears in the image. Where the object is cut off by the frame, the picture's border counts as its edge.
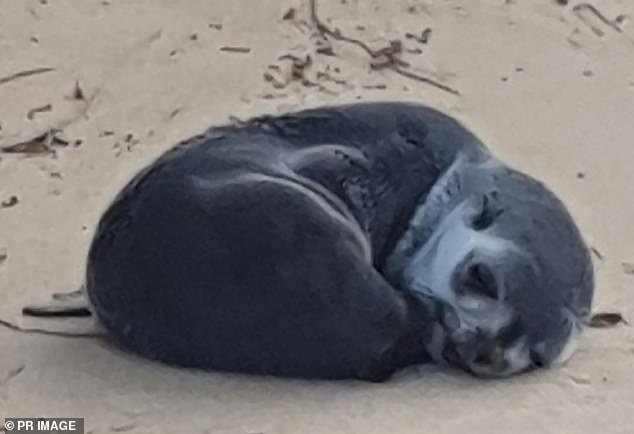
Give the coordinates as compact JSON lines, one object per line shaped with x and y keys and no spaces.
{"x":550,"y":88}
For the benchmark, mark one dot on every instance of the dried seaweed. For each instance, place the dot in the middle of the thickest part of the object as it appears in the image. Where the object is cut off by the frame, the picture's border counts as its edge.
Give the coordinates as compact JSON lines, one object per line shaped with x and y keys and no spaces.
{"x":606,"y":320}
{"x":384,"y":58}
{"x":41,"y":144}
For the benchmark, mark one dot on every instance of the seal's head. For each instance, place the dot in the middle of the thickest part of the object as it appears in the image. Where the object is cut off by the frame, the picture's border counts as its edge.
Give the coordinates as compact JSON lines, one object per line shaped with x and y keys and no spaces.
{"x":506,"y":267}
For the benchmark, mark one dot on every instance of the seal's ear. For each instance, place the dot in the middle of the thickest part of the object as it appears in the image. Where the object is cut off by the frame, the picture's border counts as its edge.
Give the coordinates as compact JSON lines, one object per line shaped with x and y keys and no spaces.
{"x":63,"y":305}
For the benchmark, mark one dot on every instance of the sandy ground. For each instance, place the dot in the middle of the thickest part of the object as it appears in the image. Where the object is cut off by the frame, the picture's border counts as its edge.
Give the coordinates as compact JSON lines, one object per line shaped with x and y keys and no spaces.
{"x":549,"y":87}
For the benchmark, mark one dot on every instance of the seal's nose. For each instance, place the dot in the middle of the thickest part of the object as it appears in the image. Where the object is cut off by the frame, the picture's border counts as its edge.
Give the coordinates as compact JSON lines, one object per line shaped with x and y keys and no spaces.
{"x":537,"y":359}
{"x":480,"y":356}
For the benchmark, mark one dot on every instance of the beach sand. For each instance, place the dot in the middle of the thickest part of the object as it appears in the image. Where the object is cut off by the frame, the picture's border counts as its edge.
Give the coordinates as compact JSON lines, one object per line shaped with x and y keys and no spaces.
{"x":548,"y":86}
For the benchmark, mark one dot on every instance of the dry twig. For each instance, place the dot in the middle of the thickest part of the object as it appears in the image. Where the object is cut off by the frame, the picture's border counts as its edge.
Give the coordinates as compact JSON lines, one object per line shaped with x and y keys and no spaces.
{"x":578,"y":9}
{"x":239,"y":50}
{"x":25,"y":73}
{"x":45,"y":108}
{"x":38,"y":331}
{"x":388,"y":57}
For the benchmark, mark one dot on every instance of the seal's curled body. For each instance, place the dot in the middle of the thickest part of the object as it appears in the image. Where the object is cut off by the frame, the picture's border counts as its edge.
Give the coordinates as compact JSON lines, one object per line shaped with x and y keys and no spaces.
{"x":339,"y":242}
{"x":251,"y":249}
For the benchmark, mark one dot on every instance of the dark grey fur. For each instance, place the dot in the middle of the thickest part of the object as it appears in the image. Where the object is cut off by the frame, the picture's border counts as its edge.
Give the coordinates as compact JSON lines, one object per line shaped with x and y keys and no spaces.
{"x":253,"y":276}
{"x":291,"y":245}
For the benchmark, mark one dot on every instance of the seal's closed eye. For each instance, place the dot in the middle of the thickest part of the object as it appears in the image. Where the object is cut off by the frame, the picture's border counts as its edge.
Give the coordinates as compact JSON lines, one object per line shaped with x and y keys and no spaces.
{"x":481,"y":281}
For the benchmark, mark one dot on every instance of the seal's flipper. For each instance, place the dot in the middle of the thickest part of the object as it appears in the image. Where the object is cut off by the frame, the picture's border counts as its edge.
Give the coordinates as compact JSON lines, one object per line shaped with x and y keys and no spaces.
{"x":64,"y":305}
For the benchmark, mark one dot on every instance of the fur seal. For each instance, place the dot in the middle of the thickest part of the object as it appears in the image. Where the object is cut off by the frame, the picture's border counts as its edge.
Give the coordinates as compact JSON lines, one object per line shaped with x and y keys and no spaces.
{"x":340,"y":242}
